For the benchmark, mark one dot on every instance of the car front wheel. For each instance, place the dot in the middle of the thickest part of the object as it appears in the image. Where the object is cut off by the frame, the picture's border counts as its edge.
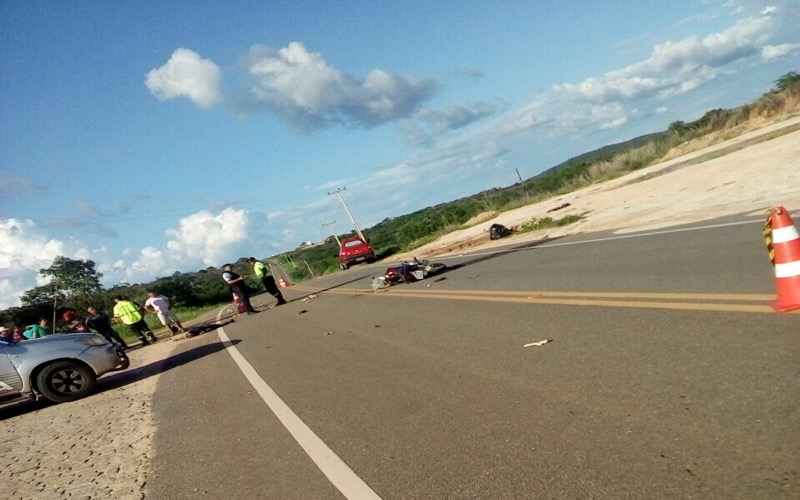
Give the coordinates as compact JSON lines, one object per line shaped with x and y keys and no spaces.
{"x":65,"y":381}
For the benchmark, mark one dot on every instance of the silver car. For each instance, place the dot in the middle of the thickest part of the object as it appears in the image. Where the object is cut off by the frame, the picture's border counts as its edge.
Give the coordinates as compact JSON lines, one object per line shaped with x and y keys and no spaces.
{"x":59,"y":368}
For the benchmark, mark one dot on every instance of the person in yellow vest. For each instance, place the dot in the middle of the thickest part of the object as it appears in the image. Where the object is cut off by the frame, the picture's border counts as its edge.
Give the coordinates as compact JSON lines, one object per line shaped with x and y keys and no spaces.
{"x":132,"y":315}
{"x":262,"y":271}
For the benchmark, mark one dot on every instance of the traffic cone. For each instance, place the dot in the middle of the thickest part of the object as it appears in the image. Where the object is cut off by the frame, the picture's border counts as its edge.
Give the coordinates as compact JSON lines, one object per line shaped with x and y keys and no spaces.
{"x":282,"y":283}
{"x":786,"y":247}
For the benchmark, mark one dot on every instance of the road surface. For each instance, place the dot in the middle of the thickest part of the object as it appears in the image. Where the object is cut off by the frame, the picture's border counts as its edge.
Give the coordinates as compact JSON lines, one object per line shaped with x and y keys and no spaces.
{"x":666,"y":376}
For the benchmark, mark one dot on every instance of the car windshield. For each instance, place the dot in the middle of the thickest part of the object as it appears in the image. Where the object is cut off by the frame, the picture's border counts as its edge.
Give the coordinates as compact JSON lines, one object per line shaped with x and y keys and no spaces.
{"x":351,"y":244}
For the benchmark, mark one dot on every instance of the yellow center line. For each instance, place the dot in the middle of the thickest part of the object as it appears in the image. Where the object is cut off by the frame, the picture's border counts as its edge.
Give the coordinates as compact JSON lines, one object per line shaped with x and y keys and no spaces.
{"x":646,"y":300}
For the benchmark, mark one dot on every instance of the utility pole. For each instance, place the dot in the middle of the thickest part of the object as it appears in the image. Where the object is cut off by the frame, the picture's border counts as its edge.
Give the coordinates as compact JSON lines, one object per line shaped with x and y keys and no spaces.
{"x":524,"y":189}
{"x":338,"y":243}
{"x":338,"y":194}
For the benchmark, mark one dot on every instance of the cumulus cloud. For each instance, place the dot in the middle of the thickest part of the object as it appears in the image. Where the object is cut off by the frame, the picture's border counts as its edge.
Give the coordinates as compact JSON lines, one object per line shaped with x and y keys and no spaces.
{"x":186,"y":74}
{"x":25,"y":250}
{"x":308,"y":93}
{"x":208,"y":238}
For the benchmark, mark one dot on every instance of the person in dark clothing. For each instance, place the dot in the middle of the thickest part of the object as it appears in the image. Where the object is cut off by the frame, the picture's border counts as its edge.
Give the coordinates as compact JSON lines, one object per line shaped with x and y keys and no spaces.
{"x":262,"y":271}
{"x":238,"y":286}
{"x":101,"y":323}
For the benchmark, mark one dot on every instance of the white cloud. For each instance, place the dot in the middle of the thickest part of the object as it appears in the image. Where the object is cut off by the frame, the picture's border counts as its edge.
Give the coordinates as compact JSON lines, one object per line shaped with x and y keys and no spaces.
{"x":308,"y":93}
{"x":208,"y":238}
{"x":25,"y":250}
{"x":186,"y":74}
{"x":769,"y":52}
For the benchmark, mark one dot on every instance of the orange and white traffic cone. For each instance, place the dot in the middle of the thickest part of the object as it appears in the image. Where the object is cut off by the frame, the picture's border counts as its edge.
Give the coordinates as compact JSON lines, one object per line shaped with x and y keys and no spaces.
{"x":282,"y":283}
{"x":785,"y":243}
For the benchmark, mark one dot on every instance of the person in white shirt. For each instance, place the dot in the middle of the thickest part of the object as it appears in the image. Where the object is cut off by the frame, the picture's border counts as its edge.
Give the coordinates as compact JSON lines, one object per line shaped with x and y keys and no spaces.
{"x":160,"y":305}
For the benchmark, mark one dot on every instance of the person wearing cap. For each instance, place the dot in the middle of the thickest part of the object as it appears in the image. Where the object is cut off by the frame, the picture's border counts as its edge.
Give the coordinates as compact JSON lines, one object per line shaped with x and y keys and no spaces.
{"x":262,"y":271}
{"x":5,"y":334}
{"x":238,"y":286}
{"x":76,"y":323}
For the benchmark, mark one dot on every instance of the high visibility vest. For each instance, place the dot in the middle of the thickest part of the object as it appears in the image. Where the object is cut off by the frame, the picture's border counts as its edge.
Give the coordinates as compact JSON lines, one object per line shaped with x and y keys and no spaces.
{"x":127,"y":312}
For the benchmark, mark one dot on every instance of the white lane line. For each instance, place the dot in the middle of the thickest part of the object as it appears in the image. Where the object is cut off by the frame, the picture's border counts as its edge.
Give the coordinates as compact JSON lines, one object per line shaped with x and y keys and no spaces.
{"x":334,"y":468}
{"x":545,"y":244}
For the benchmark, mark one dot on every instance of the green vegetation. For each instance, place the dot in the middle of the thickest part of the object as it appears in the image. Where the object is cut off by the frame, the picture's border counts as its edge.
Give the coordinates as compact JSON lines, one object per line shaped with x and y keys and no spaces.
{"x":76,"y":283}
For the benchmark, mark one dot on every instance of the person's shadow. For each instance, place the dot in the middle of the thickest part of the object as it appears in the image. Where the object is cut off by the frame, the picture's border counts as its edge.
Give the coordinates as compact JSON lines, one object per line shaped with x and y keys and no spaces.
{"x":131,"y":375}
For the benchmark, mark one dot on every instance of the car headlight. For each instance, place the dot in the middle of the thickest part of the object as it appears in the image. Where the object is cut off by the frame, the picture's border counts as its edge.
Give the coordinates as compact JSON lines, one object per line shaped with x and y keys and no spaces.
{"x":94,"y":340}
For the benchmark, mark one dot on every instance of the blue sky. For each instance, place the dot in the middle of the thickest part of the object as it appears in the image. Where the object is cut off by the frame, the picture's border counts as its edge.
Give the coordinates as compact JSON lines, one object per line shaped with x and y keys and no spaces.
{"x":155,"y":137}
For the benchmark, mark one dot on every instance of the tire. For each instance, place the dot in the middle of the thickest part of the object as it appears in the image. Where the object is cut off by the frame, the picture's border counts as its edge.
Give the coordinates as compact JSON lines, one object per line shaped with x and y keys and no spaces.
{"x":345,"y":266}
{"x":65,"y":381}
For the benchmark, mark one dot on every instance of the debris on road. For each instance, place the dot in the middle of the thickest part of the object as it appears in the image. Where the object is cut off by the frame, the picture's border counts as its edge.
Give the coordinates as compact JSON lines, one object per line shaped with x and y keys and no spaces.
{"x":328,"y":333}
{"x":474,"y":276}
{"x":538,"y":344}
{"x":440,"y":279}
{"x":310,"y":297}
{"x":302,"y":311}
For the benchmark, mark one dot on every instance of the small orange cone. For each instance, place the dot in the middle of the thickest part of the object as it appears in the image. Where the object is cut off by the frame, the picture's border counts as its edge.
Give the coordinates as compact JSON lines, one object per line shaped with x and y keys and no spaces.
{"x":786,"y":247}
{"x":282,"y":283}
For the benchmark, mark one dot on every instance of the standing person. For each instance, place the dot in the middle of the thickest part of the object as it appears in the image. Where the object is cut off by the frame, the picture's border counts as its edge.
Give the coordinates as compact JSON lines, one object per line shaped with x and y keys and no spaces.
{"x":237,"y":286}
{"x":38,"y":330}
{"x":127,"y":312}
{"x":101,"y":323}
{"x":160,"y":305}
{"x":262,"y":271}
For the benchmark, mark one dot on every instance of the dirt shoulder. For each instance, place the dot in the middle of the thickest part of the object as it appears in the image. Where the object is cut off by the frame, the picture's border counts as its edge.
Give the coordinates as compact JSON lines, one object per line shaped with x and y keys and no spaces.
{"x":99,"y":447}
{"x":746,"y":174}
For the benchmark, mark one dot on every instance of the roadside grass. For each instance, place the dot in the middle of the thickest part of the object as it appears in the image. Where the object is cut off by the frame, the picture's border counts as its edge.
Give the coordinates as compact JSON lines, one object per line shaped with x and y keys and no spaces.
{"x":548,"y":222}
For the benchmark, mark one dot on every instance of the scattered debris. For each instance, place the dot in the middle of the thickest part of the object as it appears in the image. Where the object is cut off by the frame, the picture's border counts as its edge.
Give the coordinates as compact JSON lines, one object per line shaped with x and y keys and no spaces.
{"x":302,"y":311}
{"x":474,"y":276}
{"x":310,"y":297}
{"x":442,"y":278}
{"x":328,"y":333}
{"x":538,"y":344}
{"x":565,"y":205}
{"x":497,"y":231}
{"x":377,"y":326}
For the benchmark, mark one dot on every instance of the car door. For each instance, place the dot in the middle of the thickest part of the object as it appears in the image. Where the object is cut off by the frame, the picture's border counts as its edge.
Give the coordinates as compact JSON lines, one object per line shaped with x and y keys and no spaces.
{"x":10,"y":382}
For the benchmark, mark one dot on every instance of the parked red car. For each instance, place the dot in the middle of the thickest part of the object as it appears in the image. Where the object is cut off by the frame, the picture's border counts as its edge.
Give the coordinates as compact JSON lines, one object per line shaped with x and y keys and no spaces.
{"x":354,"y":250}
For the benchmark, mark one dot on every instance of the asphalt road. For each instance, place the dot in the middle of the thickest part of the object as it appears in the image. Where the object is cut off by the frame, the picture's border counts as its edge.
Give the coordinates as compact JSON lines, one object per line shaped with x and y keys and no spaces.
{"x":667,"y":376}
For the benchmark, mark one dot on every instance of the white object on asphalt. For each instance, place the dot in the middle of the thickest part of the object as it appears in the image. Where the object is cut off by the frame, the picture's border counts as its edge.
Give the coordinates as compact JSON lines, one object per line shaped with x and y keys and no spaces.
{"x":538,"y":344}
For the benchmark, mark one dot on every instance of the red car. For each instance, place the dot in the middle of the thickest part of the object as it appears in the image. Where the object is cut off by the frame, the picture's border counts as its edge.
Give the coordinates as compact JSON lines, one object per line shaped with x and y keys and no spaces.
{"x":354,"y":250}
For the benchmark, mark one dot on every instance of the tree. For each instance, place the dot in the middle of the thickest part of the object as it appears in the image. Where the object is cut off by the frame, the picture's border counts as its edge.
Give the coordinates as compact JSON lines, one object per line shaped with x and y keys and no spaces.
{"x":73,"y":276}
{"x":789,"y":81}
{"x":69,"y":279}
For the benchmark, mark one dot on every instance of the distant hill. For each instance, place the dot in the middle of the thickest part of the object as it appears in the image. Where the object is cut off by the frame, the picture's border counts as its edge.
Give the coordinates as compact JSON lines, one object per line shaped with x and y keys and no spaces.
{"x":606,"y":152}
